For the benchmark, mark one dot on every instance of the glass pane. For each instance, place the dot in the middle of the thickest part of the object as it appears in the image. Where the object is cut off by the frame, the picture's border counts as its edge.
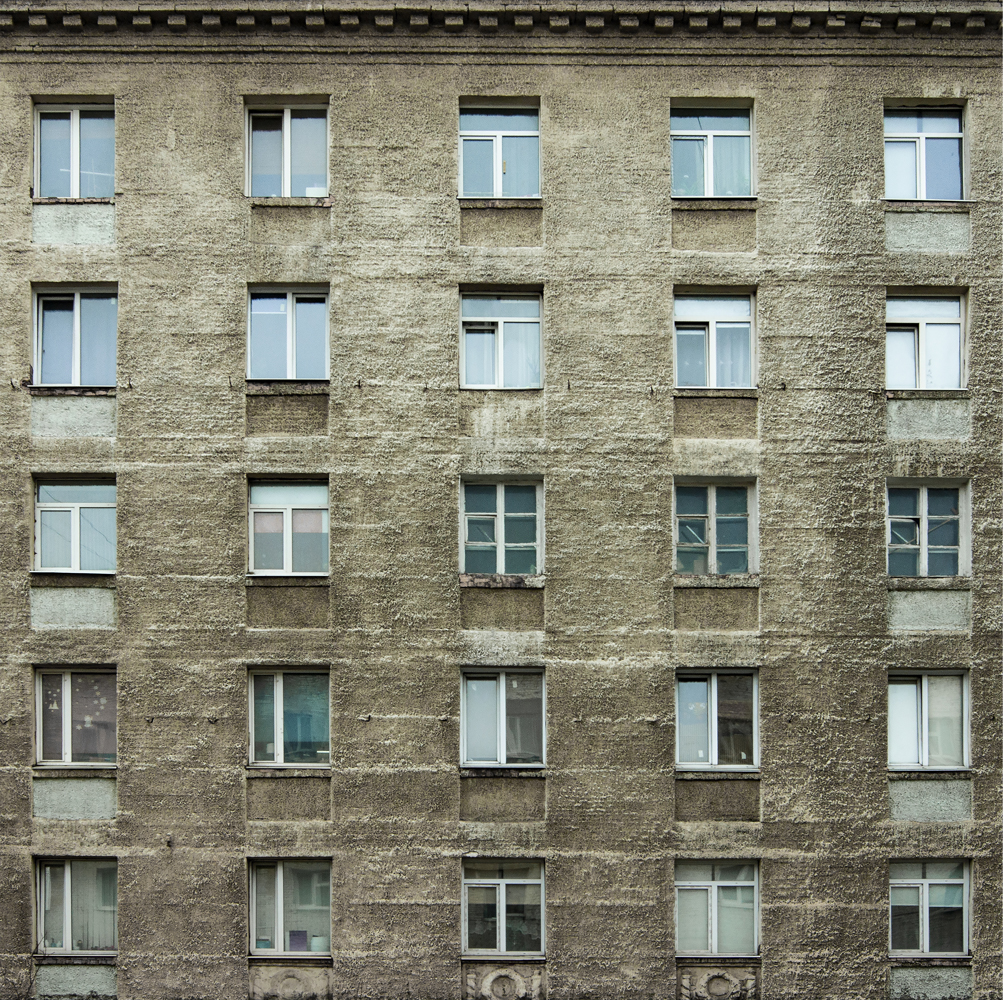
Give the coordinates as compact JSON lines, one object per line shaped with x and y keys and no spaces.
{"x":903,"y":722}
{"x":692,"y":920}
{"x":50,"y":492}
{"x":481,"y":529}
{"x":264,"y":906}
{"x":943,"y":869}
{"x":93,"y":701}
{"x":97,"y":154}
{"x":57,"y":341}
{"x":52,"y":716}
{"x":482,"y":917}
{"x":732,"y":560}
{"x":478,"y":168}
{"x":903,"y":562}
{"x":306,"y":719}
{"x":495,"y":869}
{"x":53,"y":888}
{"x":264,"y":721}
{"x":97,"y":539}
{"x":288,"y":494}
{"x":306,"y":905}
{"x":710,"y":120}
{"x":945,"y":713}
{"x":98,"y":325}
{"x":719,"y":307}
{"x":942,"y":531}
{"x":480,"y":560}
{"x":691,"y":356}
{"x":732,"y":500}
{"x":692,"y":560}
{"x":311,"y":338}
{"x":943,"y":356}
{"x":732,"y":166}
{"x":482,"y":719}
{"x":903,"y":502}
{"x":523,"y":718}
{"x":736,"y":920}
{"x":688,"y":168}
{"x":692,"y":530}
{"x":479,"y":356}
{"x":269,"y":333}
{"x":905,"y":918}
{"x":900,"y":170}
{"x":922,"y":308}
{"x":499,"y":121}
{"x":268,"y":548}
{"x":310,"y":541}
{"x":730,"y":872}
{"x":521,"y":166}
{"x":93,"y":905}
{"x":942,"y":563}
{"x":900,"y":358}
{"x":947,"y":931}
{"x":480,"y":499}
{"x":691,"y":500}
{"x":520,"y":530}
{"x":694,"y":723}
{"x":942,"y":502}
{"x":903,"y":122}
{"x":54,"y":154}
{"x":521,"y":356}
{"x":523,"y":925}
{"x":308,"y":154}
{"x":500,"y":307}
{"x":54,"y":545}
{"x":905,"y":870}
{"x":939,"y":120}
{"x":520,"y":560}
{"x":734,"y":355}
{"x":904,"y":532}
{"x":694,"y":871}
{"x":943,"y":169}
{"x":734,"y":719}
{"x":520,"y":499}
{"x":266,"y":156}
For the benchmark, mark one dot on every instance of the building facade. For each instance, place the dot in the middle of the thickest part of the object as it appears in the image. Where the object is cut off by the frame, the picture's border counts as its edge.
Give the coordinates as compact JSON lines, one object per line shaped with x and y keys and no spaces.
{"x":501,"y":501}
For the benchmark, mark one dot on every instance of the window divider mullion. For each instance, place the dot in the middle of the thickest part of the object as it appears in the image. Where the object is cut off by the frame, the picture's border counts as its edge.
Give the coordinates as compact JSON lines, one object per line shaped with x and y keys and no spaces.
{"x":500,"y":527}
{"x":280,"y":931}
{"x":75,"y":538}
{"x":67,"y":719}
{"x":712,"y":719}
{"x":278,"y":713}
{"x":924,"y":721}
{"x":75,"y":365}
{"x":500,"y":720}
{"x":75,"y":153}
{"x":290,"y":335}
{"x":67,"y":896}
{"x":286,"y":182}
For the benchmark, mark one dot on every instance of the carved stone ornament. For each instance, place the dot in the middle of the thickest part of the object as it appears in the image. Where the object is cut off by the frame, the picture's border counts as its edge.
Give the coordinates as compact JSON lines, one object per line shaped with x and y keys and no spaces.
{"x":504,"y":983}
{"x":716,"y":984}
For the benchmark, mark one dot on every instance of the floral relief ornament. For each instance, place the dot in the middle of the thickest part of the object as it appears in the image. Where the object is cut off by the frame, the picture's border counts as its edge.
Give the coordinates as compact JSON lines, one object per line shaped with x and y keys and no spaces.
{"x":717,"y":985}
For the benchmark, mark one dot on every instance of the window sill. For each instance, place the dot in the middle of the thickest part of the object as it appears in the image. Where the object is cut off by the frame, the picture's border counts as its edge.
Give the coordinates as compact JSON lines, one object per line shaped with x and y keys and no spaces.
{"x":287,"y":387}
{"x":300,"y":958}
{"x":929,"y":583}
{"x":910,"y":961}
{"x":73,"y":201}
{"x":682,"y":958}
{"x":475,"y":203}
{"x":288,"y":771}
{"x":515,"y":771}
{"x":64,"y":578}
{"x":716,"y":201}
{"x":289,"y":581}
{"x":503,"y":956}
{"x":501,"y":388}
{"x":89,"y":770}
{"x":503,"y":581}
{"x":927,"y":394}
{"x":681,"y":581}
{"x":710,"y":393}
{"x":70,"y":390}
{"x":916,"y":205}
{"x":80,"y":958}
{"x":931,"y":774}
{"x":324,"y":202}
{"x":714,"y":774}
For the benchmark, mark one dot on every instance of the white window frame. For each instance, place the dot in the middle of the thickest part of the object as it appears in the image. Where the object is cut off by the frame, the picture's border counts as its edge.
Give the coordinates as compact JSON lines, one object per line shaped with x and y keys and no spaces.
{"x":279,"y":715}
{"x":918,"y":139}
{"x":67,"y":863}
{"x":500,"y":732}
{"x":287,"y":529}
{"x":291,"y":298}
{"x":499,"y":885}
{"x":964,"y":524}
{"x":923,"y":677}
{"x":496,"y":135}
{"x":713,"y":886}
{"x":67,"y":696}
{"x":712,"y":710}
{"x":74,"y":111}
{"x":280,"y":930}
{"x":710,"y":325}
{"x":286,"y":112}
{"x":499,"y":328}
{"x":923,"y":884}
{"x":44,"y":292}
{"x":708,"y":151}
{"x":499,"y":517}
{"x":74,"y":508}
{"x":752,"y":501}
{"x":920,"y":324}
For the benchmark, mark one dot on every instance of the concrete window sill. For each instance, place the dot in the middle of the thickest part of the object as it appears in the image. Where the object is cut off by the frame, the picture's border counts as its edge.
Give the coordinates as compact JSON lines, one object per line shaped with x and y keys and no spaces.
{"x":292,"y":771}
{"x":915,"y":205}
{"x":957,"y":774}
{"x":503,"y":581}
{"x":727,"y":580}
{"x":325,"y":202}
{"x":288,"y":581}
{"x":711,"y":775}
{"x":724,"y":960}
{"x":535,"y":203}
{"x":914,"y":961}
{"x":697,"y":204}
{"x":73,"y":201}
{"x":70,"y":390}
{"x":503,"y":771}
{"x":89,"y":770}
{"x":46,"y":578}
{"x":320,"y":961}
{"x":84,"y":959}
{"x":290,"y":387}
{"x":929,"y":583}
{"x":504,"y":958}
{"x":704,"y":393}
{"x":927,"y":394}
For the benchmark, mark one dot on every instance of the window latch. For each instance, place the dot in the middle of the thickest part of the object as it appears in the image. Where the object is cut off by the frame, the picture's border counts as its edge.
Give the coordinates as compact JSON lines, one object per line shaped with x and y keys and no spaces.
{"x":503,"y":166}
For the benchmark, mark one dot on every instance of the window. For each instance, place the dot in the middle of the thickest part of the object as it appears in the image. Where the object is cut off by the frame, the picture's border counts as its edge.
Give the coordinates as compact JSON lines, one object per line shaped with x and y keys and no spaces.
{"x":290,"y":718}
{"x":929,"y":907}
{"x":75,"y":152}
{"x":502,"y":528}
{"x":75,"y":527}
{"x":75,"y":716}
{"x":287,"y":336}
{"x":289,"y":528}
{"x":291,"y":907}
{"x":75,"y":338}
{"x":924,"y":531}
{"x":77,"y":905}
{"x":927,"y":721}
{"x":287,"y":153}
{"x":923,"y":345}
{"x":711,"y":152}
{"x":500,"y":345}
{"x":499,"y":153}
{"x":923,"y":156}
{"x":716,"y":721}
{"x":714,"y":341}
{"x":712,"y":529}
{"x":717,"y":907}
{"x":510,"y":889}
{"x":503,"y":718}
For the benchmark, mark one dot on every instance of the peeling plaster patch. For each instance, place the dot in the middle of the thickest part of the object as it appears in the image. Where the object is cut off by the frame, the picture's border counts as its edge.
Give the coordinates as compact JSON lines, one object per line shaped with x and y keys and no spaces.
{"x":73,"y":416}
{"x":933,"y":419}
{"x":73,"y":798}
{"x":75,"y":980}
{"x":501,"y":649}
{"x":928,"y":232}
{"x":930,"y":801}
{"x":72,"y":607}
{"x":931,"y":984}
{"x":715,"y":457}
{"x":73,"y":224}
{"x":929,"y":610}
